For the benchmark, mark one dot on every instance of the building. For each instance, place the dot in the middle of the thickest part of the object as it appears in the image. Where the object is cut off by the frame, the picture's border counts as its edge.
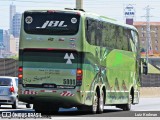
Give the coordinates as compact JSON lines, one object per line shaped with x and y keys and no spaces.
{"x":12,"y":13}
{"x":1,"y":36}
{"x":1,"y":43}
{"x":15,"y":21}
{"x":16,"y":25}
{"x":14,"y":43}
{"x":6,"y":41}
{"x":155,"y":35}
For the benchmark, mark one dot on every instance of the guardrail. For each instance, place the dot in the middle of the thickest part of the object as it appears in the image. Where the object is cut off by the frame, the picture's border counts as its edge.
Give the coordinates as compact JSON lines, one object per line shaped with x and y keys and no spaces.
{"x":150,"y":80}
{"x":8,"y":67}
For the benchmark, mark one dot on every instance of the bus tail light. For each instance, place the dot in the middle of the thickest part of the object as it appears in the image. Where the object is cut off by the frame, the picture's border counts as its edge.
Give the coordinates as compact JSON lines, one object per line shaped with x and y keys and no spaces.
{"x":20,"y":69}
{"x":79,"y":77}
{"x":20,"y":74}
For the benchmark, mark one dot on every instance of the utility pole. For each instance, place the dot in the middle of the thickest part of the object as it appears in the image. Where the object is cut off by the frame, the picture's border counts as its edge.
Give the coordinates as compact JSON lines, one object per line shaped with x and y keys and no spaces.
{"x":79,"y":4}
{"x":148,"y":31}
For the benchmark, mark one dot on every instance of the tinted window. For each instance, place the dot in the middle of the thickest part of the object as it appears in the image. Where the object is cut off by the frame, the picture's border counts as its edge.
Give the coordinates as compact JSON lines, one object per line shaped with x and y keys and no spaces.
{"x":108,"y":35}
{"x":51,"y":23}
{"x":93,"y":31}
{"x":5,"y":82}
{"x":54,"y":56}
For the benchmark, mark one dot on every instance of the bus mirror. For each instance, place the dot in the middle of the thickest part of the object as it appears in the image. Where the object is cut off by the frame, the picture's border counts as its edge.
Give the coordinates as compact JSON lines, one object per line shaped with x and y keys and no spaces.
{"x":145,"y":69}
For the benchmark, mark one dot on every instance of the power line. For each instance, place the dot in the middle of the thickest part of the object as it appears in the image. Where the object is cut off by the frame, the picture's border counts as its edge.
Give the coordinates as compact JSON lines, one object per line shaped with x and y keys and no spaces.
{"x":148,"y":36}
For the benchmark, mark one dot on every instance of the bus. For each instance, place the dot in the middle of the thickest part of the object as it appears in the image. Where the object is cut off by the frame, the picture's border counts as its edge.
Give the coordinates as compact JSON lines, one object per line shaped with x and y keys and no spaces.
{"x":72,"y":58}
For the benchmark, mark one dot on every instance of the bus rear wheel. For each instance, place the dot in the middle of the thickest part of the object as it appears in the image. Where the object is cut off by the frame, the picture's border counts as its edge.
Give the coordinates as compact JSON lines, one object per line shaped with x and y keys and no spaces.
{"x":94,"y":107}
{"x":90,"y":109}
{"x":101,"y":103}
{"x":127,"y":107}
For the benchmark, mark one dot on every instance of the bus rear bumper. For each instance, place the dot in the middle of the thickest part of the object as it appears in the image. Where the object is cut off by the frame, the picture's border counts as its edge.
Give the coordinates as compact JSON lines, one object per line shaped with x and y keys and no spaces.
{"x":61,"y":98}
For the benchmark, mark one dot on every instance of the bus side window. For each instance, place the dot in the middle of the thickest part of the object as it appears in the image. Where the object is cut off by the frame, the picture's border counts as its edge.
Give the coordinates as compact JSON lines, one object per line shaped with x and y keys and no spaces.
{"x":87,"y":26}
{"x":125,"y":40}
{"x":135,"y":39}
{"x":90,"y":32}
{"x":106,"y":35}
{"x":98,"y":35}
{"x":119,"y":43}
{"x":131,"y":41}
{"x":87,"y":31}
{"x":93,"y":32}
{"x":104,"y":32}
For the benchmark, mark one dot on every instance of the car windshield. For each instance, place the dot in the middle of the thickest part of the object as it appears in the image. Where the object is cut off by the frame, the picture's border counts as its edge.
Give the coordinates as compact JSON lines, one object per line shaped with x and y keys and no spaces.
{"x":5,"y":82}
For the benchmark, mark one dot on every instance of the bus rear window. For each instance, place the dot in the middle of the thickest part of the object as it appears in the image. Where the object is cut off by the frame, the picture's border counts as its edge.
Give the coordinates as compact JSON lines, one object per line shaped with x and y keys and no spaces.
{"x":51,"y":23}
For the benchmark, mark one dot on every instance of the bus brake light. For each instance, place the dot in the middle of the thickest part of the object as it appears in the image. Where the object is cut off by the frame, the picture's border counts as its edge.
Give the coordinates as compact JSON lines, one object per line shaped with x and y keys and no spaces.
{"x":20,"y":76}
{"x":79,"y":74}
{"x":20,"y":69}
{"x":20,"y":72}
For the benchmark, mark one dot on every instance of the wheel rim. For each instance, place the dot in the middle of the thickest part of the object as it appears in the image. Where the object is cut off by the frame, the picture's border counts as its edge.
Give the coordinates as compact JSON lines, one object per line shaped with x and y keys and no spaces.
{"x":95,"y":103}
{"x":130,"y":101}
{"x":101,"y":102}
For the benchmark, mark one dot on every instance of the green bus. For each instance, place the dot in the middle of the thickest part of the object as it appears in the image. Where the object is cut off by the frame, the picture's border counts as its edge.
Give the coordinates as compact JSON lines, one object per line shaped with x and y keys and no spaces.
{"x":72,"y":58}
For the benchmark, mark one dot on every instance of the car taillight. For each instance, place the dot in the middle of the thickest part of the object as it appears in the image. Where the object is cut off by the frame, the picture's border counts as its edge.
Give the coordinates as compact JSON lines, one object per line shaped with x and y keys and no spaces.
{"x":11,"y":89}
{"x":20,"y":74}
{"x":79,"y":76}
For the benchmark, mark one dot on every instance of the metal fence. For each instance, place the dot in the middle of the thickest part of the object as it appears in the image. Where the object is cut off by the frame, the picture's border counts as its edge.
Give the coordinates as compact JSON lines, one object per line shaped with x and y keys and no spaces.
{"x":8,"y":67}
{"x":150,"y":80}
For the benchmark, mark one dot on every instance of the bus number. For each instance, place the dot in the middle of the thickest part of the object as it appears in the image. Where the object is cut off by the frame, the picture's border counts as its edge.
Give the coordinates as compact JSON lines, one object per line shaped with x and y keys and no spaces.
{"x":69,"y":81}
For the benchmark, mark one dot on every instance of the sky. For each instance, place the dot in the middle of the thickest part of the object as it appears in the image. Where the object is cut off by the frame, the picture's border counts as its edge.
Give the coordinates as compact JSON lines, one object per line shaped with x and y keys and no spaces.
{"x":110,"y":8}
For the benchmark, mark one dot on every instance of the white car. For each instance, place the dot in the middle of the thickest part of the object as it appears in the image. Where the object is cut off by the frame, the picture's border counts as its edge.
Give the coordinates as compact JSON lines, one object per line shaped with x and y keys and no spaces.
{"x":9,"y":91}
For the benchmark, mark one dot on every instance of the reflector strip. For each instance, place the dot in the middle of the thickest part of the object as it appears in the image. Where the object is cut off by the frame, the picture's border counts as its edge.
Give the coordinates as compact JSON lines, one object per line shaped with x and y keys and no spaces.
{"x":48,"y":91}
{"x":27,"y":92}
{"x":66,"y":93}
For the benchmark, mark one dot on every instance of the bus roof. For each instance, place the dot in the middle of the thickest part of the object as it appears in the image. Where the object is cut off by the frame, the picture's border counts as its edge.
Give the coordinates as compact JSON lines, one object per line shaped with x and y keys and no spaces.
{"x":89,"y":14}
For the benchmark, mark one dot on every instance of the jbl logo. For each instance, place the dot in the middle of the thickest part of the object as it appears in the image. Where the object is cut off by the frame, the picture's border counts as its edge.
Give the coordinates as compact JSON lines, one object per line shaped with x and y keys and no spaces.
{"x":53,"y":24}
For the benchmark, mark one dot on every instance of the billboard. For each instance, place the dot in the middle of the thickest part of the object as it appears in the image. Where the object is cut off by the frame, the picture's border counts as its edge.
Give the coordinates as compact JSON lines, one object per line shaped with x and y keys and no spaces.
{"x":129,"y":12}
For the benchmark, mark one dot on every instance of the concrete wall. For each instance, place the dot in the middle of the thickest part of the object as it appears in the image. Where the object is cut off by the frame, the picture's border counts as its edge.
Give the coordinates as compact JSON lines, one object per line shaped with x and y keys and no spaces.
{"x":8,"y":67}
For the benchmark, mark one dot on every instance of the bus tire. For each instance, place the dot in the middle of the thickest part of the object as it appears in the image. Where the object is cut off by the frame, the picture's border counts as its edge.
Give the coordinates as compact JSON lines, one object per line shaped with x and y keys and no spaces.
{"x":101,"y":103}
{"x":94,"y":107}
{"x":127,"y":107}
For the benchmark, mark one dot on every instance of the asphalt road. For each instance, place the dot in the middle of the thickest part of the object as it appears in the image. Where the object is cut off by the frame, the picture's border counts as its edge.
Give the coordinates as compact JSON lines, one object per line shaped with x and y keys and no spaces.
{"x":146,"y":106}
